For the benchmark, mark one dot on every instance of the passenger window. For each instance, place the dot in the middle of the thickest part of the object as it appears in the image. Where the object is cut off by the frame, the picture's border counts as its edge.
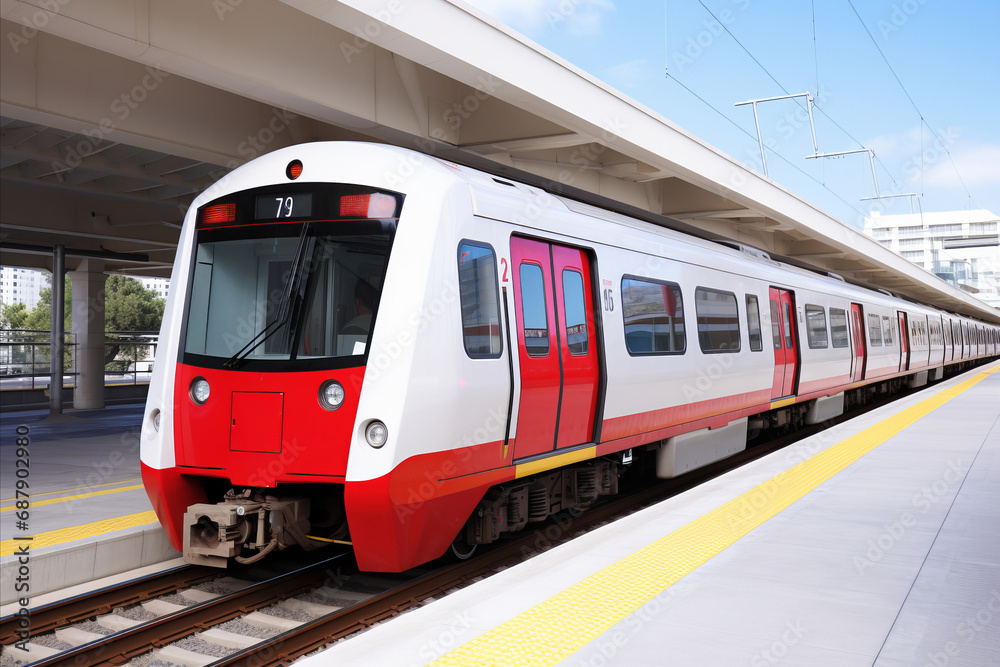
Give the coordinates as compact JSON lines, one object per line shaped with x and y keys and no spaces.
{"x":874,"y":330}
{"x":576,"y":312}
{"x":838,"y":328}
{"x":753,"y":324}
{"x":536,"y":326}
{"x":654,"y":317}
{"x":718,"y":320}
{"x":477,"y":284}
{"x":816,"y":326}
{"x":886,"y":330}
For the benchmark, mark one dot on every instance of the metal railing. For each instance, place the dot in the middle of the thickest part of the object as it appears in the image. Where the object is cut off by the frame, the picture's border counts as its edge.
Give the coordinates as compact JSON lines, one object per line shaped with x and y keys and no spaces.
{"x":25,"y":354}
{"x":25,"y":357}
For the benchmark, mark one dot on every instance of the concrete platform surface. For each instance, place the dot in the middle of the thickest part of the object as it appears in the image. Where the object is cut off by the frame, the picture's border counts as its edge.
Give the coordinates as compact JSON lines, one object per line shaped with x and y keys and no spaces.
{"x":89,"y":516}
{"x":875,"y":542}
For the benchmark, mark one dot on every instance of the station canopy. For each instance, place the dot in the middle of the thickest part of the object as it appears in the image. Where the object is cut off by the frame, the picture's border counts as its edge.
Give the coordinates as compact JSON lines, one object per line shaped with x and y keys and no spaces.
{"x":116,"y":114}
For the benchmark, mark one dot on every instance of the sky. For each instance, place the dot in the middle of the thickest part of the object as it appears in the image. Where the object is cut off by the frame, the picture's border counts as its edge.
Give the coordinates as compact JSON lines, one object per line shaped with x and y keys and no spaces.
{"x":935,"y":131}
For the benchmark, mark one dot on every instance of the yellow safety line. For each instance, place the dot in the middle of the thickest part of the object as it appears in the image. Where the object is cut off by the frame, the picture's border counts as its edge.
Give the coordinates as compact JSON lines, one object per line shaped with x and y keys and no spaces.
{"x":555,"y":629}
{"x":63,"y":535}
{"x":39,"y":503}
{"x":77,"y":488}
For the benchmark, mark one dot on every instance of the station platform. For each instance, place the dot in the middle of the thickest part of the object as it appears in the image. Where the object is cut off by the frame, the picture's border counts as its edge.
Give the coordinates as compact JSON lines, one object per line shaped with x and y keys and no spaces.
{"x":89,"y":516}
{"x":875,"y":542}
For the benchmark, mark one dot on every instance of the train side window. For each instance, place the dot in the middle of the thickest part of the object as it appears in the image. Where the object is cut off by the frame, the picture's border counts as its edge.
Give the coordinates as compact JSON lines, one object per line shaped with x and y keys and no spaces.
{"x":753,"y":324}
{"x":838,"y":328}
{"x":536,"y":324}
{"x":718,"y":320}
{"x":816,"y":326}
{"x":576,"y":312}
{"x":477,"y":285}
{"x":886,"y":330}
{"x":654,"y":317}
{"x":874,"y":330}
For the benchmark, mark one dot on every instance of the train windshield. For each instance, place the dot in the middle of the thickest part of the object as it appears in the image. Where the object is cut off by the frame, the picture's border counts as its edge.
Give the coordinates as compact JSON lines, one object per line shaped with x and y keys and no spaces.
{"x":273,"y":294}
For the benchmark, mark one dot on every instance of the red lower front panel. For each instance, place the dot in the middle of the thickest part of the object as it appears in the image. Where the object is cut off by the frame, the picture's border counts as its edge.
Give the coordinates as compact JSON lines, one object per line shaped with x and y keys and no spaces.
{"x":171,"y":493}
{"x":261,"y":429}
{"x":410,"y":515}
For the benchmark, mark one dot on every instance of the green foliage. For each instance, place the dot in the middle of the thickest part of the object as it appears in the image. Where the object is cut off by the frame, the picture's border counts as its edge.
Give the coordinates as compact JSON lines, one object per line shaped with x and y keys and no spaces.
{"x":40,"y":317}
{"x":13,"y":316}
{"x":128,"y":306}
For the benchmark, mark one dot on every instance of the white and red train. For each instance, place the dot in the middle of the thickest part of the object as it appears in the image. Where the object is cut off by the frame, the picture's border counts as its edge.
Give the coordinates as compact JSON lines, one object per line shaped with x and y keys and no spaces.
{"x":369,"y":345}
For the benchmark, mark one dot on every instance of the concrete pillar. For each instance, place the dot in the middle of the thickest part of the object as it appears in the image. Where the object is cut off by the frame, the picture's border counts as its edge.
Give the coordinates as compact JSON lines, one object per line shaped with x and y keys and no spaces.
{"x":88,"y":325}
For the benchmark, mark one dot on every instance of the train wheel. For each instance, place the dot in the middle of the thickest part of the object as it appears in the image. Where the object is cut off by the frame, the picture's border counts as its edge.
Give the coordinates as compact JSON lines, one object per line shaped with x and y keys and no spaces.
{"x":460,"y":549}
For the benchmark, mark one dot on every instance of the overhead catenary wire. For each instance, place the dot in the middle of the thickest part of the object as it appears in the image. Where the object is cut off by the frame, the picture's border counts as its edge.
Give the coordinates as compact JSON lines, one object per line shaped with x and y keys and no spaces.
{"x":888,"y":173}
{"x":923,"y":121}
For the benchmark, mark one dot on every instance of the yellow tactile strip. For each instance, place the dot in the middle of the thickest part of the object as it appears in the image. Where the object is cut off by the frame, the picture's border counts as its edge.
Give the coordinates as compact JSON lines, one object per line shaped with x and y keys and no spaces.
{"x":63,"y":535}
{"x":78,"y":488}
{"x":79,"y":496}
{"x":554,"y":630}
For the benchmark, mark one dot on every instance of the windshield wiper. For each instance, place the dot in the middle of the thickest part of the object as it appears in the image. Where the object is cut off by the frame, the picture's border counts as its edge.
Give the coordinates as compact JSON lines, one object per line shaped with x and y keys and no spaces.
{"x":285,"y":307}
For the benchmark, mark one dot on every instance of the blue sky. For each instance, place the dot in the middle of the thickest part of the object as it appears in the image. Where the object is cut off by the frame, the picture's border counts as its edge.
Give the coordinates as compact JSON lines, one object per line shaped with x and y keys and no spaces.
{"x":945,"y":54}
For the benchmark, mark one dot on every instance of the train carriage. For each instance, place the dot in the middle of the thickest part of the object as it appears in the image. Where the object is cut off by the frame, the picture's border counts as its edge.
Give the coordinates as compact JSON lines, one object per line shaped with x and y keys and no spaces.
{"x":373,"y":346}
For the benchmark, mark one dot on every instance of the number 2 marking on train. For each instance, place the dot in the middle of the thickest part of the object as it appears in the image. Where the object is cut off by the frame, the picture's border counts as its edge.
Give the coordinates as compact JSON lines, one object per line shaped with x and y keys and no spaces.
{"x":503,"y":263}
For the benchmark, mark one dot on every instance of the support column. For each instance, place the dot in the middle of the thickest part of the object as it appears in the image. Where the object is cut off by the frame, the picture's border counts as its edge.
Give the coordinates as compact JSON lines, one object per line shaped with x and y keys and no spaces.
{"x":88,"y":325}
{"x":58,"y":312}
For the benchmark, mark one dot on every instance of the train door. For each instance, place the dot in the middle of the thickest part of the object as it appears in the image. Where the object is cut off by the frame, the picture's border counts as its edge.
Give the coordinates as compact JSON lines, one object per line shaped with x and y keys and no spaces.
{"x":559,"y":368}
{"x":904,"y":343}
{"x":860,"y":347}
{"x":786,"y":353}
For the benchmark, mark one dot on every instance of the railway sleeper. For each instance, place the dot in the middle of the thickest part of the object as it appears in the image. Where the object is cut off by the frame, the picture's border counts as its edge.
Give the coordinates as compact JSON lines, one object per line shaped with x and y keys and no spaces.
{"x":511,"y":507}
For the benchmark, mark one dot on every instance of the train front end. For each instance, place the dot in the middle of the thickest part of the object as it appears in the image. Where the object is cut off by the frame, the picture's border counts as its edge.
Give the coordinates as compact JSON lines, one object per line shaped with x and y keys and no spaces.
{"x":254,"y":400}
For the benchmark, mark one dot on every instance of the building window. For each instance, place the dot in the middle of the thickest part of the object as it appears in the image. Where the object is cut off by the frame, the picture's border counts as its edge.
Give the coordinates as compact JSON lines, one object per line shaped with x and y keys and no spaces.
{"x":654,"y":317}
{"x":838,"y":328}
{"x":912,"y":243}
{"x":982,"y":227}
{"x":477,"y":279}
{"x":918,"y":230}
{"x":816,"y":326}
{"x":753,"y":324}
{"x":874,"y":330}
{"x":881,"y":233}
{"x":943,"y":230}
{"x":718,"y":320}
{"x":912,"y":254}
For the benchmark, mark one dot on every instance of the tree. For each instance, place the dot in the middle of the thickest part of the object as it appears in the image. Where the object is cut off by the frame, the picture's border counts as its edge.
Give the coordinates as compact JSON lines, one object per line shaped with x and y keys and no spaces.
{"x":40,"y":317}
{"x":13,"y":316}
{"x":128,"y":306}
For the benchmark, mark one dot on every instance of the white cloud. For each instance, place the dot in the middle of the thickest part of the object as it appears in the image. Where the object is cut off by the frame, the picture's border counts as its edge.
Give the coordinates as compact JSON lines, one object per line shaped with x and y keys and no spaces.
{"x":581,"y":18}
{"x":628,"y":74}
{"x":978,"y":165}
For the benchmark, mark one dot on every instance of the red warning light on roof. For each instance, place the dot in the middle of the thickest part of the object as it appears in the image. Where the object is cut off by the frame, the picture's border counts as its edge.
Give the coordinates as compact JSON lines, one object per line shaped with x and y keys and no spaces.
{"x":294,"y":169}
{"x":219,"y":213}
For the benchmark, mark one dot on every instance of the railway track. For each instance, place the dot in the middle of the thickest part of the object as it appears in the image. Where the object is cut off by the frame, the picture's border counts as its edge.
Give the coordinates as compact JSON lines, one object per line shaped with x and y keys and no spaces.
{"x":201,"y":616}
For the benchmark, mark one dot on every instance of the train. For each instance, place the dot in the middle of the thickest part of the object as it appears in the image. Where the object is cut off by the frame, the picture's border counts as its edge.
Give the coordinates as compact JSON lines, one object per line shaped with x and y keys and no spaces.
{"x":369,"y":345}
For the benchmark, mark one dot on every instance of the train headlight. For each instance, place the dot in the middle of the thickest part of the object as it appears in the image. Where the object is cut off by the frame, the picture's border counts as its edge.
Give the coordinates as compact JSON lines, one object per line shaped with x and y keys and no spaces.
{"x":376,"y":434}
{"x":156,"y":420}
{"x":200,"y":390}
{"x":331,"y":395}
